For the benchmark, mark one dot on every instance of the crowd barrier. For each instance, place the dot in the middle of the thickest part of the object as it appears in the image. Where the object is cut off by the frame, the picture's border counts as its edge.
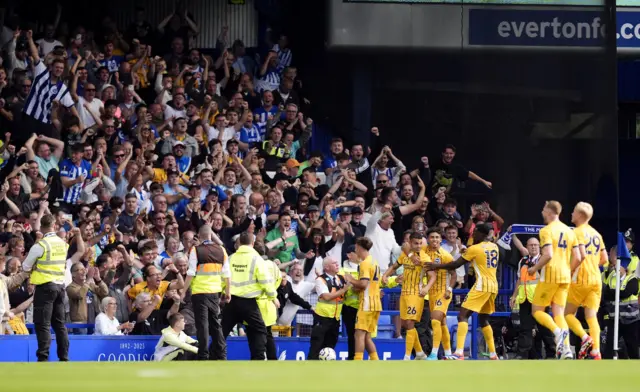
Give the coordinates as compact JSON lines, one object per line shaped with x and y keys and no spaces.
{"x":141,"y":348}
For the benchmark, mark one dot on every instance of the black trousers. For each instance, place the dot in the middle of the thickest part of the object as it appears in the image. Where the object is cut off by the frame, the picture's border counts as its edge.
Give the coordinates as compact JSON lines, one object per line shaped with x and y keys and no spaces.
{"x":272,"y":354}
{"x":48,"y":311}
{"x":323,"y":334}
{"x":528,"y":347}
{"x":349,"y":320}
{"x":206,"y":311}
{"x":423,"y":327}
{"x":629,"y":333}
{"x":27,"y":126}
{"x":186,"y":356}
{"x":246,"y":310}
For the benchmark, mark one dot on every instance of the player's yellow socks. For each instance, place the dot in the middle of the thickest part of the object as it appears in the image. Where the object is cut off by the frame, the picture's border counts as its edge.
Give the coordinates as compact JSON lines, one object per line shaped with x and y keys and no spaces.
{"x":437,"y":335}
{"x":463,"y":328}
{"x":487,"y":331}
{"x":374,"y":356}
{"x":561,"y":322}
{"x":594,"y":332}
{"x":446,"y":338}
{"x":416,"y":342}
{"x":575,"y":325}
{"x":546,"y":321}
{"x":358,"y":356}
{"x":410,"y":341}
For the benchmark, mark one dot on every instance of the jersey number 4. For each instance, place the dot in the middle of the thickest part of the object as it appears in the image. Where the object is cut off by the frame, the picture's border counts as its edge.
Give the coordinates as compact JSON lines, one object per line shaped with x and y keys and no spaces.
{"x":492,"y":258}
{"x":562,"y":242}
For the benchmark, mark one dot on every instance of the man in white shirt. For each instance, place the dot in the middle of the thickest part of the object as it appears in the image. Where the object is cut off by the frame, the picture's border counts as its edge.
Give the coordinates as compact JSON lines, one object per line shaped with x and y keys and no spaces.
{"x":300,"y":287}
{"x":385,"y":248}
{"x":48,"y":43}
{"x":88,"y":106}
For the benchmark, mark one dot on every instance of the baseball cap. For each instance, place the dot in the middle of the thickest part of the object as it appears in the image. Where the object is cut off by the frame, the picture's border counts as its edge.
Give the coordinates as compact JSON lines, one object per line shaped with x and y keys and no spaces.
{"x":313,"y":208}
{"x":345,"y":211}
{"x":106,"y":86}
{"x":356,"y":210}
{"x":291,"y":163}
{"x":213,"y":192}
{"x":178,"y":143}
{"x":630,"y":236}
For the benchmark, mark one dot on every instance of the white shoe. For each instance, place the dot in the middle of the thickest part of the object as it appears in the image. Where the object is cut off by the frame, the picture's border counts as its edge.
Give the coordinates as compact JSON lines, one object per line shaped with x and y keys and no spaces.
{"x":567,"y":354}
{"x":560,"y":347}
{"x":420,"y":356}
{"x":407,"y":358}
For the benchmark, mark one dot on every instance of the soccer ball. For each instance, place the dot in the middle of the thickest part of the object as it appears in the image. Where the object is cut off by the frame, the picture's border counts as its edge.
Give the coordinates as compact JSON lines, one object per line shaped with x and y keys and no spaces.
{"x":327,"y":354}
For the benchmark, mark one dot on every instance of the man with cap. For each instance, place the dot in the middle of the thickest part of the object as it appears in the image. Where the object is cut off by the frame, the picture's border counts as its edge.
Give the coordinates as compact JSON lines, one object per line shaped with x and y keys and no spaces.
{"x":629,"y":313}
{"x":293,"y":167}
{"x":183,"y":161}
{"x":356,"y":222}
{"x":181,"y":139}
{"x":630,"y":239}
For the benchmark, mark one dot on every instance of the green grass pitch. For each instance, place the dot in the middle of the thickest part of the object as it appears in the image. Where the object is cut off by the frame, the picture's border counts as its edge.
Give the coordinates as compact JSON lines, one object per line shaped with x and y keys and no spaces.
{"x":285,"y":376}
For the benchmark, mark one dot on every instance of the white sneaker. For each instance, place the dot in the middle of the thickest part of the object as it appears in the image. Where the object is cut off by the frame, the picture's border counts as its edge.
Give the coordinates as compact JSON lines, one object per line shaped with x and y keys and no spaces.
{"x":420,"y":356}
{"x":407,"y":358}
{"x":560,"y":347}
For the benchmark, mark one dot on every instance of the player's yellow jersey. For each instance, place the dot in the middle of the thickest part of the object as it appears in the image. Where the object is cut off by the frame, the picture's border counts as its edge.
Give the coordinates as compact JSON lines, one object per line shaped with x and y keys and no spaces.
{"x":412,"y":272}
{"x":439,"y":256}
{"x":589,"y":272}
{"x":370,"y":297}
{"x":484,"y":260}
{"x":562,"y":240}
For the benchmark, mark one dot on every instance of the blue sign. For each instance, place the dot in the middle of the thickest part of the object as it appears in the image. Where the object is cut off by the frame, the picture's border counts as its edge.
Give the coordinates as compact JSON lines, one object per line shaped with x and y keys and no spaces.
{"x":141,"y":348}
{"x":549,"y":28}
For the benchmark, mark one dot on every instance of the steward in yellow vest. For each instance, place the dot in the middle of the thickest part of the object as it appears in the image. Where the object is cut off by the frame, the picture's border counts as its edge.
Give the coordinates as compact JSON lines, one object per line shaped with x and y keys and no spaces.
{"x":629,"y":316}
{"x":47,"y":261}
{"x":331,"y":288}
{"x":208,"y":268}
{"x":250,"y":280}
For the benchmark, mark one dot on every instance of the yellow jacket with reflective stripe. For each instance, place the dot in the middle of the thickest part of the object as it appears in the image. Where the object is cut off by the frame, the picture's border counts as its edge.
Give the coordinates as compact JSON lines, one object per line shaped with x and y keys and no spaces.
{"x":351,"y":298}
{"x":267,"y":307}
{"x":209,"y":276}
{"x":250,"y":276}
{"x":51,"y":265}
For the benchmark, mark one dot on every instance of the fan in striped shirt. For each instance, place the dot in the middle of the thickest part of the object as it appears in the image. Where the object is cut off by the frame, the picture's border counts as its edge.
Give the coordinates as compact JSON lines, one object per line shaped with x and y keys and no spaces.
{"x":73,"y":172}
{"x":48,"y":86}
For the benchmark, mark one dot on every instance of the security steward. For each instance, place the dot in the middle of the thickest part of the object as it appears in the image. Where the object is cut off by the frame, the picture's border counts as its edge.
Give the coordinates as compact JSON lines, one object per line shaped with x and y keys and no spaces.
{"x":269,"y":308}
{"x":208,"y":270}
{"x":522,"y":298}
{"x":47,"y":261}
{"x":250,"y":279}
{"x":629,"y":316}
{"x":331,"y":288}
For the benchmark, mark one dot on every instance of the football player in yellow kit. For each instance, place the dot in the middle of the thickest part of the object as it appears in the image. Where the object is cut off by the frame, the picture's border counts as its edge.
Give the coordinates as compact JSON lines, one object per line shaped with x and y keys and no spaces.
{"x":481,"y":298}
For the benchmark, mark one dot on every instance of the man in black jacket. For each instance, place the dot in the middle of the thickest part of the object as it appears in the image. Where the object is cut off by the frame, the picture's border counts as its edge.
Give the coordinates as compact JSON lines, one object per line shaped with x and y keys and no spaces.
{"x":286,"y":293}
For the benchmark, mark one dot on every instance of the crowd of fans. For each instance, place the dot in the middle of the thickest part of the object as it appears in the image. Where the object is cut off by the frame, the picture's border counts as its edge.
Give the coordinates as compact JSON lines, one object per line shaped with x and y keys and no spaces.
{"x":147,"y":139}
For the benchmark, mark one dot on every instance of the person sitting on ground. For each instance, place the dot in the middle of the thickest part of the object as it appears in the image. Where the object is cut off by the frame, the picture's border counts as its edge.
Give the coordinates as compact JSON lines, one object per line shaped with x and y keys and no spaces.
{"x":174,"y":344}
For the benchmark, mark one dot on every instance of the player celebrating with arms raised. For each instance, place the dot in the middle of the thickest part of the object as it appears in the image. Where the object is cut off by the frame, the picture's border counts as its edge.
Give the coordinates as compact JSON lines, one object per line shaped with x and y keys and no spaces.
{"x":482,"y":296}
{"x":586,"y":282}
{"x":411,"y":303}
{"x":368,"y":284}
{"x":559,"y":247}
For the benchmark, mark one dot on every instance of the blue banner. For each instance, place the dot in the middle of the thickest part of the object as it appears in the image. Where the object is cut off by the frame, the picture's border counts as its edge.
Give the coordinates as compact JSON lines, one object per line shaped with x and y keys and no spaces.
{"x":141,"y":348}
{"x":549,"y":28}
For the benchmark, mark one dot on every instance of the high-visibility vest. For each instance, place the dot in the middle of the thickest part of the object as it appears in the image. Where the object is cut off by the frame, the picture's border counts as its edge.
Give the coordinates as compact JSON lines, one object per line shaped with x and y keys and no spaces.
{"x":249,"y":274}
{"x":331,"y":308}
{"x":278,"y":150}
{"x":51,"y":265}
{"x":629,"y":308}
{"x":528,"y":284}
{"x":208,"y":279}
{"x":351,"y":297}
{"x":267,"y":307}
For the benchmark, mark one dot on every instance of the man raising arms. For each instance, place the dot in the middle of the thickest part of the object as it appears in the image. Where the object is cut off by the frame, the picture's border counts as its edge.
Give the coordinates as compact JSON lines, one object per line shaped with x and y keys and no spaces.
{"x":586,"y":282}
{"x":559,"y":247}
